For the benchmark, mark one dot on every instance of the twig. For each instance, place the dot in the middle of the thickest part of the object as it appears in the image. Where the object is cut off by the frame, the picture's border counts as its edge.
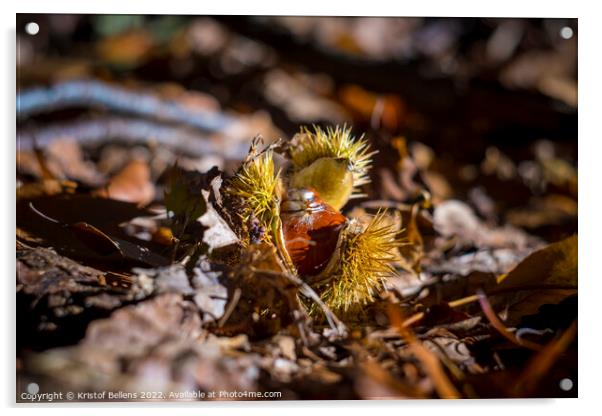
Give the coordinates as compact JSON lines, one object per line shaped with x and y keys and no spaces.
{"x":474,"y":298}
{"x":334,"y":322}
{"x":413,"y":319}
{"x":230,"y":307}
{"x":129,"y":131}
{"x":91,"y":93}
{"x":521,"y":332}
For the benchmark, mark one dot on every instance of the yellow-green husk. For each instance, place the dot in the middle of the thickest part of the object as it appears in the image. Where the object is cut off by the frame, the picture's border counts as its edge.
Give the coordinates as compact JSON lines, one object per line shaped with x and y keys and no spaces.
{"x":362,"y":261}
{"x":330,"y":177}
{"x":331,"y":161}
{"x":326,"y":160}
{"x":258,"y":187}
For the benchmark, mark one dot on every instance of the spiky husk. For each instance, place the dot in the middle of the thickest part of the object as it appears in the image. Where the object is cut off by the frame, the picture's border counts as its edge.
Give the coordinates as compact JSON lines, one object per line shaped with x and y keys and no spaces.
{"x":258,"y":187}
{"x":336,"y":143}
{"x":362,"y":261}
{"x":364,"y":254}
{"x":329,"y":177}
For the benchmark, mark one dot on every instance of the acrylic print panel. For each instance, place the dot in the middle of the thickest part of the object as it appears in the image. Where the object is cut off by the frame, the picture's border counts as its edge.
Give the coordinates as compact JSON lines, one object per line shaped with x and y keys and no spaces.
{"x":295,"y":208}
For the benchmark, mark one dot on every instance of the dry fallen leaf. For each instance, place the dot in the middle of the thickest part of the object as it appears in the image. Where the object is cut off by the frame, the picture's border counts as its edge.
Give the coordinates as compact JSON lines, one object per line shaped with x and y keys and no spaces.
{"x":201,"y":284}
{"x":63,"y":159}
{"x":90,"y":319}
{"x":218,"y":233}
{"x":44,"y":187}
{"x":555,"y":264}
{"x":131,"y":184}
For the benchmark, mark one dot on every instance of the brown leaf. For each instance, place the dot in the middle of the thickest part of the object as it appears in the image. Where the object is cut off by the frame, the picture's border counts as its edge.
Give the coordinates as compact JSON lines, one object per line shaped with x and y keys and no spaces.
{"x":131,"y":184}
{"x":51,"y":287}
{"x":553,"y":264}
{"x":44,"y":187}
{"x":67,"y":158}
{"x":202,"y":284}
{"x":158,"y":341}
{"x":63,"y":159}
{"x":101,"y":245}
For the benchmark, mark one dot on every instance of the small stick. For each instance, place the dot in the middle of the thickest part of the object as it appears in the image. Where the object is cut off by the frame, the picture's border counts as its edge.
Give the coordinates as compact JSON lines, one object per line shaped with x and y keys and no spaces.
{"x":230,"y":307}
{"x":474,"y":298}
{"x":92,"y":93}
{"x":129,"y":131}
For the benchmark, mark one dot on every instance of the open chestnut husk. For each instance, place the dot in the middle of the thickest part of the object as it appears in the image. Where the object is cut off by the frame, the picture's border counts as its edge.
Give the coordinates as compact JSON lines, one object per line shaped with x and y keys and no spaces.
{"x":344,"y":260}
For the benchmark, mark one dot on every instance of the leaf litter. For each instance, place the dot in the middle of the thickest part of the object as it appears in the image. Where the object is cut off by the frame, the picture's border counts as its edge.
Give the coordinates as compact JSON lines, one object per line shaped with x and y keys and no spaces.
{"x":138,"y":271}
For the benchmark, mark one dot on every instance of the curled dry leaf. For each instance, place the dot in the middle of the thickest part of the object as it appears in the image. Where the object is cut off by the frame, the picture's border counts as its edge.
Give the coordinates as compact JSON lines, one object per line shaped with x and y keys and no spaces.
{"x":555,"y":264}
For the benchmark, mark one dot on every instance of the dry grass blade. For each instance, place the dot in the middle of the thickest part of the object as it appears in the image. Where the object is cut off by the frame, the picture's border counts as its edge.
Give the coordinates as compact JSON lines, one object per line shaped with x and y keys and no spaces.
{"x":474,"y":298}
{"x":230,"y":307}
{"x":499,"y":326}
{"x":543,"y":361}
{"x":413,"y":319}
{"x":432,"y":365}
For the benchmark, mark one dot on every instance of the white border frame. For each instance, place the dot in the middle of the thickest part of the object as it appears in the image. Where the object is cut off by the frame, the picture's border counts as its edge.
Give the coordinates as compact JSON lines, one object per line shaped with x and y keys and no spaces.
{"x":590,"y":151}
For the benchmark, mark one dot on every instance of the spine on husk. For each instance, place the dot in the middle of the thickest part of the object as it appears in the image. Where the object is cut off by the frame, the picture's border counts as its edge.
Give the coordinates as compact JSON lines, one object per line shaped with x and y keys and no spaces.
{"x":330,"y":166}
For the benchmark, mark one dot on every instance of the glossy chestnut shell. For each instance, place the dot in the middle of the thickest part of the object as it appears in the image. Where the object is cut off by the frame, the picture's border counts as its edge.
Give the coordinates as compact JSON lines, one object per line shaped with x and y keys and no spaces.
{"x":311,"y":230}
